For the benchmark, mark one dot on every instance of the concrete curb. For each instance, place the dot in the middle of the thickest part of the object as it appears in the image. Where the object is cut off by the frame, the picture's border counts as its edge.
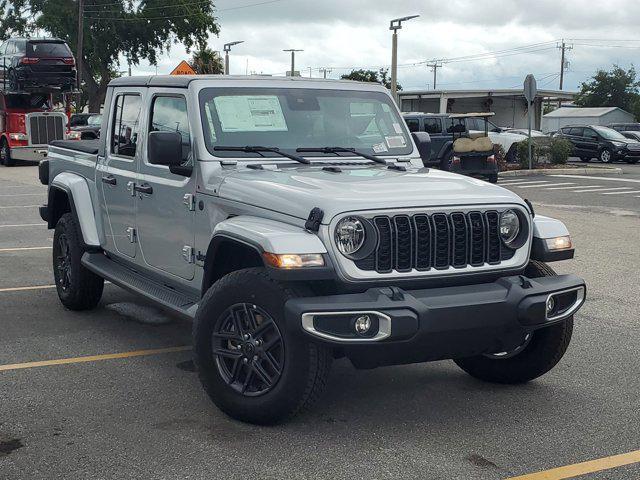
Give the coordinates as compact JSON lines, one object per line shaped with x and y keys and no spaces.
{"x":563,"y":171}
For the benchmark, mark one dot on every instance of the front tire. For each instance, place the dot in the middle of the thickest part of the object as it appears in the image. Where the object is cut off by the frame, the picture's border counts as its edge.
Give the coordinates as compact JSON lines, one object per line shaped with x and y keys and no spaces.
{"x":251,"y":365}
{"x":606,"y":156}
{"x":78,"y":288}
{"x":540,"y":351}
{"x":5,"y":154}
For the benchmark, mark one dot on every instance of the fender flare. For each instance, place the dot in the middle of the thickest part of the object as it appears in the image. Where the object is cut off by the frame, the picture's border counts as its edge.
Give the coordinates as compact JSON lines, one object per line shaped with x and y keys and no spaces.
{"x":544,"y":228}
{"x":77,"y":190}
{"x":444,"y":149}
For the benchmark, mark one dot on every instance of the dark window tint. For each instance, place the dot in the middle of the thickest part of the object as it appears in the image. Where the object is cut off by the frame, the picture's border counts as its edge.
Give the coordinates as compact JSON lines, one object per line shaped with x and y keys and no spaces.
{"x":588,"y":133}
{"x":169,"y":114}
{"x":413,"y":124}
{"x":126,"y":118}
{"x":48,"y":49}
{"x":432,"y":125}
{"x":451,"y":122}
{"x":577,"y":132}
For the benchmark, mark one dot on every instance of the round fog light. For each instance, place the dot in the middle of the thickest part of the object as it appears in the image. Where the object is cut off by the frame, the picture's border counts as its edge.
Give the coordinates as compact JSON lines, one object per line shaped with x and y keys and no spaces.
{"x":551,"y":304}
{"x":362,"y":324}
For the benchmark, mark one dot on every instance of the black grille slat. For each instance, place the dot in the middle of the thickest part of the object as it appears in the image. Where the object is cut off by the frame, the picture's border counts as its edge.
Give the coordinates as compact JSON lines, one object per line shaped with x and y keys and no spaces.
{"x":423,"y":242}
{"x":460,"y":239}
{"x":43,"y":129}
{"x":384,"y":253}
{"x":476,"y":238}
{"x":493,"y":237}
{"x":404,"y":243}
{"x":441,"y":236}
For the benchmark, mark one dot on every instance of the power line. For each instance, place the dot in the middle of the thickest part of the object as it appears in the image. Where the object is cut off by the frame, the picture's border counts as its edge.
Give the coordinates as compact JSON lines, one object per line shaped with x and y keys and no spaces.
{"x":169,"y":6}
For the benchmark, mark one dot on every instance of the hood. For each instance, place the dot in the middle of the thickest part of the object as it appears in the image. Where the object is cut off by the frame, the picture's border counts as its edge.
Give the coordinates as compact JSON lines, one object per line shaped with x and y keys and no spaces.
{"x":295,"y":191}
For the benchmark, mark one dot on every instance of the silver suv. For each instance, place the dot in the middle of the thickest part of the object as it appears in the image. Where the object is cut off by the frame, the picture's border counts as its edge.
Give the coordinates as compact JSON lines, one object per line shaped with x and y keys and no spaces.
{"x":293,"y":221}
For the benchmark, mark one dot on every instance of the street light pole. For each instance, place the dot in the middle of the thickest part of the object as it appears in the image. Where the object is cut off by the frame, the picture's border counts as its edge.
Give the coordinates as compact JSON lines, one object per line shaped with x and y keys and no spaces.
{"x":395,"y":25}
{"x":227,"y":48}
{"x":293,"y":58}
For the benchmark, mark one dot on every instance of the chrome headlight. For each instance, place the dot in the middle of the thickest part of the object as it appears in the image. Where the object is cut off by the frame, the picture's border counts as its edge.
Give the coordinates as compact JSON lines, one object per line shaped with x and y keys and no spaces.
{"x":509,"y":226}
{"x":350,"y":235}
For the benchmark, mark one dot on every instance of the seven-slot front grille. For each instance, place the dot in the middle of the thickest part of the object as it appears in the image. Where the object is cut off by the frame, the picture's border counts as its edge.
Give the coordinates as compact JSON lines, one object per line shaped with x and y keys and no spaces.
{"x":438,"y":240}
{"x":45,"y":128}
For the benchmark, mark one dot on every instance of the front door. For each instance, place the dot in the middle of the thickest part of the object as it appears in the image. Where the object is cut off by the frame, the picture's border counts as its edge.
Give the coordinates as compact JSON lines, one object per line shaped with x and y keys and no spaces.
{"x":165,"y":202}
{"x":117,"y":171}
{"x":591,"y":142}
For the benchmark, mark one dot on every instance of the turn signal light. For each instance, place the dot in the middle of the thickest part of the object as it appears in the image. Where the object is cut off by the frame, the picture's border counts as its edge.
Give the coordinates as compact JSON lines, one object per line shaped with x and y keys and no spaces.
{"x":69,"y":61}
{"x":293,"y":260}
{"x":559,"y":243}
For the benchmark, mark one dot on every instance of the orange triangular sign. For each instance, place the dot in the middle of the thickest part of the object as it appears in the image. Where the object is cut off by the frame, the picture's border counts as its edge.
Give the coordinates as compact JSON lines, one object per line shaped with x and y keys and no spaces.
{"x":183,"y":68}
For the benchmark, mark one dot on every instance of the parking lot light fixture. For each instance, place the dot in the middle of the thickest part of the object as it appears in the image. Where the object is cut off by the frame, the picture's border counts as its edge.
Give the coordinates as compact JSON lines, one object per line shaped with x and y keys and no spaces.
{"x":227,"y":48}
{"x":395,"y":25}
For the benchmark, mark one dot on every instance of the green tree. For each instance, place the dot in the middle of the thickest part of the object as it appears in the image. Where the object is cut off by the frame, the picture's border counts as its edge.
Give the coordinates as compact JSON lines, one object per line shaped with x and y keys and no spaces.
{"x":206,"y":61}
{"x":616,"y":88}
{"x":381,"y":76}
{"x":112,"y":28}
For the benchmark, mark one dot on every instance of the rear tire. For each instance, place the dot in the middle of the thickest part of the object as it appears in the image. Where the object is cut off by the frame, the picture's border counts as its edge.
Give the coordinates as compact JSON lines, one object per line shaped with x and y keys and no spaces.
{"x":14,"y":84}
{"x":78,"y":288}
{"x":240,"y":334}
{"x":538,"y":354}
{"x":5,"y":154}
{"x":445,"y":163}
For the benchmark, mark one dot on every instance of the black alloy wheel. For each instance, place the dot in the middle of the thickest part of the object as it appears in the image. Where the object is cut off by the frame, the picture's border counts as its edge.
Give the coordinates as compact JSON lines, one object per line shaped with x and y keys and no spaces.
{"x":248,"y":349}
{"x":63,"y":262}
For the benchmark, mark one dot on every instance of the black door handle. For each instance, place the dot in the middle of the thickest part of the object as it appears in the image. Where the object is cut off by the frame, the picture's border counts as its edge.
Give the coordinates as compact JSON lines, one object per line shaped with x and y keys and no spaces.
{"x":144,"y":188}
{"x":109,"y":180}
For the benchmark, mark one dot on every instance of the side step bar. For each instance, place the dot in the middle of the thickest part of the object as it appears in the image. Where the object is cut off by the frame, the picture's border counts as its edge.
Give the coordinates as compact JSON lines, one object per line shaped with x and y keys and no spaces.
{"x":131,"y":280}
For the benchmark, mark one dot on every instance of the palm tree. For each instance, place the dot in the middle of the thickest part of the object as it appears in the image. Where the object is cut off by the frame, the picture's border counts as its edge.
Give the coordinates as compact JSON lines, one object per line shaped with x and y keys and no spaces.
{"x":207,"y":61}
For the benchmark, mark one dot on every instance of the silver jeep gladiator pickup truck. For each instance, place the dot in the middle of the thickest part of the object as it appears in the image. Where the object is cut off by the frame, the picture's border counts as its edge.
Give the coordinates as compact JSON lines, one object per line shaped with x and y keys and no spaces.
{"x":294,"y":222}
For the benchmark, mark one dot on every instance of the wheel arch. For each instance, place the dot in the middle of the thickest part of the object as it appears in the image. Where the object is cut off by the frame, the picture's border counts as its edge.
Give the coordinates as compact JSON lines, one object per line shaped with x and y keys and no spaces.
{"x":70,"y":193}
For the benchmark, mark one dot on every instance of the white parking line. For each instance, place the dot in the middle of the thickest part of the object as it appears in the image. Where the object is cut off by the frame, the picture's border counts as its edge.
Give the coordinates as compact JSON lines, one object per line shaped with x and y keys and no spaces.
{"x":598,"y":178}
{"x":514,"y":182}
{"x":601,"y":189}
{"x":574,"y":186}
{"x":554,"y":184}
{"x":545,"y":184}
{"x":621,"y":193}
{"x":20,"y":206}
{"x":528,"y":182}
{"x":21,"y":289}
{"x":24,"y":225}
{"x":20,"y":249}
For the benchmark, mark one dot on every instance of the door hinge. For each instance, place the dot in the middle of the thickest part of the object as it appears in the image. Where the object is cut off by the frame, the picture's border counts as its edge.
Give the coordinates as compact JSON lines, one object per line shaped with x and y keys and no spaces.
{"x":187,"y":254}
{"x":131,"y":187}
{"x":132,"y":234}
{"x":190,"y":201}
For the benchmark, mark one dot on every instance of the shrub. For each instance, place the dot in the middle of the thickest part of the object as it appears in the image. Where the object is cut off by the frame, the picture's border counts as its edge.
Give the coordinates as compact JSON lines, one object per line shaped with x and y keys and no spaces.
{"x":560,"y":150}
{"x":523,"y":154}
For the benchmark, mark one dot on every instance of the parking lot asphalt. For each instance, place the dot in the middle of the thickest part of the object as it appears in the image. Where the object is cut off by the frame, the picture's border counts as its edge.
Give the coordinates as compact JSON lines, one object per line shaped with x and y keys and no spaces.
{"x":119,"y":398}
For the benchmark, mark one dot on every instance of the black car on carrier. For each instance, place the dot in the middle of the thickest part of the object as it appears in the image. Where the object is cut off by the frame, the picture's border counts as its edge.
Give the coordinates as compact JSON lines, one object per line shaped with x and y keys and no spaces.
{"x":42,"y":64}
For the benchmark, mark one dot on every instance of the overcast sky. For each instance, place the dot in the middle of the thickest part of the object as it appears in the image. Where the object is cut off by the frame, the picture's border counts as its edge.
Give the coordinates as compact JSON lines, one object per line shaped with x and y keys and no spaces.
{"x":346,"y":34}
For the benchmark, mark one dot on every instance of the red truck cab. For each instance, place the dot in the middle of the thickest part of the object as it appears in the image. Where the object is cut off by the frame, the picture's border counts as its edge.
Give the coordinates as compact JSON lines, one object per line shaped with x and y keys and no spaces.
{"x":27,"y":125}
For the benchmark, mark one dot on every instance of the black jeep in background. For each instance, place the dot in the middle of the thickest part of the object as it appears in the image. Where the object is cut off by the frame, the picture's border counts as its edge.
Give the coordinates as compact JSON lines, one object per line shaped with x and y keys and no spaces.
{"x":439,"y":128}
{"x":603,"y":143}
{"x":37,"y":63}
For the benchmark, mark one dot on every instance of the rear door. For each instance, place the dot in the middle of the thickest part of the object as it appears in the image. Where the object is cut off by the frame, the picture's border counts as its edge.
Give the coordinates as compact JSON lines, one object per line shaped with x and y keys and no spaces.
{"x":117,"y":171}
{"x":590,"y":143}
{"x":574,"y":135}
{"x":166,"y":202}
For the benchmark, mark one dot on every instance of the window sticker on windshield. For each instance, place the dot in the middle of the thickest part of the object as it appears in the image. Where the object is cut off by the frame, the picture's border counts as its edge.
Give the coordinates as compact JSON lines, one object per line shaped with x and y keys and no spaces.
{"x":397,"y":127}
{"x":396,"y":141}
{"x":379,"y":148}
{"x":250,"y":113}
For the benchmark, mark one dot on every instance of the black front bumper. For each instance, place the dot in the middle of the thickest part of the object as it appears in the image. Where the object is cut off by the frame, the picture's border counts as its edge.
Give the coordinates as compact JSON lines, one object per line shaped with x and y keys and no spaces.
{"x":437,"y":323}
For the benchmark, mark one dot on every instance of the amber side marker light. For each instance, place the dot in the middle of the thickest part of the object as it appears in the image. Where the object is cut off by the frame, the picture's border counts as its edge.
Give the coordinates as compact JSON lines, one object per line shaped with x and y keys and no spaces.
{"x":293,"y":260}
{"x":559,"y":243}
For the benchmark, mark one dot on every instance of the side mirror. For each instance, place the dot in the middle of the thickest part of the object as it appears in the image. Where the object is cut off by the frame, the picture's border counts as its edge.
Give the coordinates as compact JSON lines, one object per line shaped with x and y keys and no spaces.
{"x":165,"y":148}
{"x":423,"y":143}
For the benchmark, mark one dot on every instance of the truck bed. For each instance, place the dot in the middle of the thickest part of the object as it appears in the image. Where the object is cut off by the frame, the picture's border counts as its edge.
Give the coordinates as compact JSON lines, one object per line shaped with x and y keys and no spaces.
{"x":84,"y":146}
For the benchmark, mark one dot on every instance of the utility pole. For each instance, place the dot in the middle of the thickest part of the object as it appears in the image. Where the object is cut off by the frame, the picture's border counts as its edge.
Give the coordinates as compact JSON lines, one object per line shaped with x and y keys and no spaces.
{"x":395,"y":25}
{"x":324,"y":71}
{"x":562,"y":47}
{"x":227,"y":48}
{"x":80,"y":40}
{"x":434,"y":68}
{"x":293,"y":58}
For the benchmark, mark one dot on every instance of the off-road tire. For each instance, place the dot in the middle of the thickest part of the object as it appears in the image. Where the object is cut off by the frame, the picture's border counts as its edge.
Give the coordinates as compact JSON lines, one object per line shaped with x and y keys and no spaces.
{"x":445,"y":163}
{"x":542,"y":353}
{"x":306,"y":364}
{"x":5,"y":154}
{"x":82,"y":289}
{"x":493,"y":178}
{"x":605,"y":155}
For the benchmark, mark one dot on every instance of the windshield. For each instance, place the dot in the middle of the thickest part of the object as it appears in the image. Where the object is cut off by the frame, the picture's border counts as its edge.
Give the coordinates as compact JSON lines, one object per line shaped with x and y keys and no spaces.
{"x":288,"y":118}
{"x":610,"y":133}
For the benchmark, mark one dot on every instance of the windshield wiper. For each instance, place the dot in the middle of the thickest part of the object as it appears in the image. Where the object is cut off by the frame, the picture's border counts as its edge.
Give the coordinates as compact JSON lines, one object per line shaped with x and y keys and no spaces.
{"x":336,"y":150}
{"x":259,"y":150}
